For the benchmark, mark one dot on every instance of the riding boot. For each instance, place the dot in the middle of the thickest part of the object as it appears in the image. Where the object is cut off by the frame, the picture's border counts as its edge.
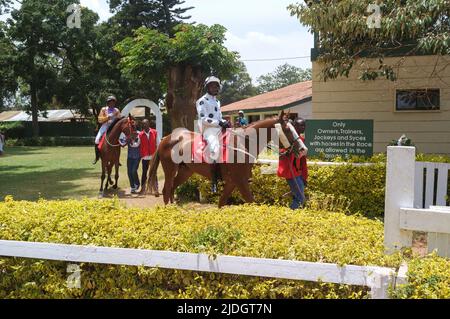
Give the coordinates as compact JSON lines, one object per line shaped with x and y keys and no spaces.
{"x":214,"y":174}
{"x":97,"y":154}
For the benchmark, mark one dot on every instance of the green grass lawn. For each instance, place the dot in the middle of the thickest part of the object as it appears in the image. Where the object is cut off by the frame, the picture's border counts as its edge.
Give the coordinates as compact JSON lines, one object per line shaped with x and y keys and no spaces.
{"x":30,"y":173}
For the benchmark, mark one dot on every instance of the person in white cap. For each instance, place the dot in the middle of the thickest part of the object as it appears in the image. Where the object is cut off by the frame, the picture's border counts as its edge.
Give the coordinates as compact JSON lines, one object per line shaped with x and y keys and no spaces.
{"x":108,"y":114}
{"x":211,"y":122}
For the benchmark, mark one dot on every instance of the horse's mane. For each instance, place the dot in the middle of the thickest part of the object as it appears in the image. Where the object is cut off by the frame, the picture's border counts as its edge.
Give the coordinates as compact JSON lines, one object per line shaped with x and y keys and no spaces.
{"x":110,"y":128}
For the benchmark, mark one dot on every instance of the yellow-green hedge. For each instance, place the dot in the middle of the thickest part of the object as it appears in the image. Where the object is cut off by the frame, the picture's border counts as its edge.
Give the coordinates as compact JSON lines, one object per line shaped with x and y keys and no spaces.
{"x":256,"y":231}
{"x":362,"y":187}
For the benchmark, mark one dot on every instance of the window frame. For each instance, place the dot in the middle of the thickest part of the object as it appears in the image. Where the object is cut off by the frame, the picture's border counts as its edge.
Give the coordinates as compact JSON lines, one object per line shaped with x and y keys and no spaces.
{"x":417,"y":110}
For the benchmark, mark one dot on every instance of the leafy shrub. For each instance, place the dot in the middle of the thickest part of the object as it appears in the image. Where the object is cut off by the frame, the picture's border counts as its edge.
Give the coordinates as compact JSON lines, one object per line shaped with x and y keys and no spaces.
{"x":51,"y":141}
{"x":427,"y":278}
{"x":13,"y":130}
{"x":354,"y":189}
{"x":254,"y":231}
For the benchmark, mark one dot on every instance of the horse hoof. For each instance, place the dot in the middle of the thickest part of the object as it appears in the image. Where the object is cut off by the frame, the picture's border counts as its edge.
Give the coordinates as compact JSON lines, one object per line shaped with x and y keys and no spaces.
{"x":114,"y":187}
{"x":101,"y":195}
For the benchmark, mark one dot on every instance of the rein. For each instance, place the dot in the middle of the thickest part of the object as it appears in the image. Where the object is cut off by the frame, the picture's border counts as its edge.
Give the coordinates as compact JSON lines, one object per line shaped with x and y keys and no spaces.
{"x":129,"y":126}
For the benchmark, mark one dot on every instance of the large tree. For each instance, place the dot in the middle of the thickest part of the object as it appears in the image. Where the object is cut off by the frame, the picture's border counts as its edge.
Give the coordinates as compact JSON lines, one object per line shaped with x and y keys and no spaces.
{"x":8,"y":81}
{"x":346,"y":31}
{"x":51,"y":57}
{"x":238,"y":87}
{"x":181,"y":62}
{"x":162,"y":15}
{"x":283,"y":76}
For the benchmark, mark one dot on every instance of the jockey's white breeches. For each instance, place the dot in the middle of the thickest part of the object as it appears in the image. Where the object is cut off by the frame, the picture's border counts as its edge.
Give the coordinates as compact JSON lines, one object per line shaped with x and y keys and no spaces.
{"x":211,"y":135}
{"x":101,"y":131}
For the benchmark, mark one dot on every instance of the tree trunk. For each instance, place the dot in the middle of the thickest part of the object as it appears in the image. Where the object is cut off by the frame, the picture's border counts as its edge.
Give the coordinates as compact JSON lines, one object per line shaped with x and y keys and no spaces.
{"x":34,"y":109}
{"x":185,"y":88}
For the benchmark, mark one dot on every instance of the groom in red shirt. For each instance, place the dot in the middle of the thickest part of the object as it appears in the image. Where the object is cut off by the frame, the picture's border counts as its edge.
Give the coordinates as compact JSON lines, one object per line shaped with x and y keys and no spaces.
{"x":149,"y":143}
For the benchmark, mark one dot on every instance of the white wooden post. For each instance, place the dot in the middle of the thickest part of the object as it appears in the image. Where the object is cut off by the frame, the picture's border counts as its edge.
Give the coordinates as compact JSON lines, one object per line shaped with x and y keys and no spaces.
{"x":400,"y":172}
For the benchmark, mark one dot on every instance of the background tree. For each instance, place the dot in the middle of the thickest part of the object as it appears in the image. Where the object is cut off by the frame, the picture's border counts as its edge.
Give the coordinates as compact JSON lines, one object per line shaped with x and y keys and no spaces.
{"x":407,"y":27}
{"x":182,"y":63}
{"x":8,"y":81}
{"x":4,"y":5}
{"x":162,"y":15}
{"x":283,"y":75}
{"x":238,"y":87}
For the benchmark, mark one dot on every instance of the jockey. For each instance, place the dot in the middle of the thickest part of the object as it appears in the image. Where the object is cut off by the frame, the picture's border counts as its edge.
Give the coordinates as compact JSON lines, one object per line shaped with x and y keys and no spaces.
{"x":107,"y":115}
{"x":211,"y":122}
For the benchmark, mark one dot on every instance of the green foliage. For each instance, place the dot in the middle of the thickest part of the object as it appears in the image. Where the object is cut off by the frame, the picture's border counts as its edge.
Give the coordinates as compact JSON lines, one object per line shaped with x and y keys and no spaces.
{"x":284,"y":75}
{"x":411,"y":27}
{"x":153,"y":14}
{"x":346,"y":188}
{"x":12,"y":129}
{"x":254,"y":231}
{"x":238,"y":87}
{"x":150,"y":53}
{"x":427,"y":278}
{"x":51,"y":141}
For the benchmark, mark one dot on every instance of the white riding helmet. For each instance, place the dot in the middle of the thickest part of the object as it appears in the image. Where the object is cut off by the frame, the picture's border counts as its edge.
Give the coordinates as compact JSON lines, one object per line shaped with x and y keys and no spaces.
{"x":212,"y":79}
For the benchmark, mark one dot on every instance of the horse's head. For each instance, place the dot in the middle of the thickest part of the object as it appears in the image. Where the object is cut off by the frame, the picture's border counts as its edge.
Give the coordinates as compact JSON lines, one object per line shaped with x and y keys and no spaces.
{"x":128,"y":127}
{"x":289,"y":138}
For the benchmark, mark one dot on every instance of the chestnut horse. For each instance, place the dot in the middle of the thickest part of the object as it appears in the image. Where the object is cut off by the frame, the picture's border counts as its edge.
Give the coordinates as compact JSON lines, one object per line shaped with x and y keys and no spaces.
{"x":233,"y":174}
{"x":110,"y":149}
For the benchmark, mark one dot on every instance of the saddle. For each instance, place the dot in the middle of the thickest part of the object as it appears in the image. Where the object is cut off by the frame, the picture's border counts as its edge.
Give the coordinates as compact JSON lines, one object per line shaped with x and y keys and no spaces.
{"x":200,"y":149}
{"x":102,"y":141}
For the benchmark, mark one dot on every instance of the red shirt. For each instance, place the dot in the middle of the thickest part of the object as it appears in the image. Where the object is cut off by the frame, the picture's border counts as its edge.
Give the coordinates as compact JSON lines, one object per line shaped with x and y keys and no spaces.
{"x":148,"y":145}
{"x":290,"y":166}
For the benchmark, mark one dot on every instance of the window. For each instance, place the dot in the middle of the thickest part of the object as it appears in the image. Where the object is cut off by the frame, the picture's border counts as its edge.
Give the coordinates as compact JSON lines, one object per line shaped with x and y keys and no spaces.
{"x":267,"y":116}
{"x":418,"y":100}
{"x":253,"y":118}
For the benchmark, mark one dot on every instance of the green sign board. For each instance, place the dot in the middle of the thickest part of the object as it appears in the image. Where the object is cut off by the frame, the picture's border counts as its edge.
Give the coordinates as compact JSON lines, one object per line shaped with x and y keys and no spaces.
{"x":344,"y":138}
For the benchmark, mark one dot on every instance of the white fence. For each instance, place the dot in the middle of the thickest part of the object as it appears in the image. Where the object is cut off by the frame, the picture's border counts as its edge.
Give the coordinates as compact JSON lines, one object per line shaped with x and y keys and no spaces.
{"x":416,"y":195}
{"x":378,"y":279}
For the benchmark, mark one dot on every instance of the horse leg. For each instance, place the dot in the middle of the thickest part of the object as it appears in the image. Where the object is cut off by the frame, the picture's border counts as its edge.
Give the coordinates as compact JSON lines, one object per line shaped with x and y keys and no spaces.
{"x":227,"y":190}
{"x":170,"y":171}
{"x":101,"y":192}
{"x":108,"y":171}
{"x":244,"y":189}
{"x":183,"y":175}
{"x":116,"y":177}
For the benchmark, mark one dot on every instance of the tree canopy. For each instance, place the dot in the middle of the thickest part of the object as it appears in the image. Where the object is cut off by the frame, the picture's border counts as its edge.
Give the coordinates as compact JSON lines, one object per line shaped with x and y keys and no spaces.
{"x":181,"y":62}
{"x":283,"y":76}
{"x":238,"y":87}
{"x":408,"y":28}
{"x":162,"y":15}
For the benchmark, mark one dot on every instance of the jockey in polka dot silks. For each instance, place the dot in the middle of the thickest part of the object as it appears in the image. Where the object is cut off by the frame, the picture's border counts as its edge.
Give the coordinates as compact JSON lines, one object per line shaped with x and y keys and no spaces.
{"x":107,"y":115}
{"x":211,"y":123}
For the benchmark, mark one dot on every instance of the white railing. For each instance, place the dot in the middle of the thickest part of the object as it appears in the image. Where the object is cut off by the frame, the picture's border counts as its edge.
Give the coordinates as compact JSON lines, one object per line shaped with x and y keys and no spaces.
{"x":409,"y":201}
{"x":378,"y":279}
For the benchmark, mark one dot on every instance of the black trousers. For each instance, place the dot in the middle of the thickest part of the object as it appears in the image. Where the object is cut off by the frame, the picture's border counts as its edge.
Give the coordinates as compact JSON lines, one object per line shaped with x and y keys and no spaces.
{"x":145,"y":164}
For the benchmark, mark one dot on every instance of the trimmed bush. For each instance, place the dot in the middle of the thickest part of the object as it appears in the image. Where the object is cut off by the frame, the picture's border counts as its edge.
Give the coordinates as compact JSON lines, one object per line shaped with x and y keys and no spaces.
{"x":51,"y":141}
{"x":354,"y":189}
{"x":258,"y":231}
{"x":428,"y":278}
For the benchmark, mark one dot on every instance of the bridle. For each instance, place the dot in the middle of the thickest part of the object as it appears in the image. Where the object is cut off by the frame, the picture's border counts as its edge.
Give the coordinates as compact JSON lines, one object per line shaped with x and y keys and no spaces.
{"x":287,"y":145}
{"x":130,"y":127}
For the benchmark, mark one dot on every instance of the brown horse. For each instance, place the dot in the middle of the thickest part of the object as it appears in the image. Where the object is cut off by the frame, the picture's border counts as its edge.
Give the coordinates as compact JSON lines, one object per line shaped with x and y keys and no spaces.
{"x":110,"y":150}
{"x":235,"y":174}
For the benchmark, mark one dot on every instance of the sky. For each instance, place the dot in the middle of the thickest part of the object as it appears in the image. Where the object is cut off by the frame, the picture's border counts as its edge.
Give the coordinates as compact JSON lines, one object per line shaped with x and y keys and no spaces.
{"x":257,"y":29}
